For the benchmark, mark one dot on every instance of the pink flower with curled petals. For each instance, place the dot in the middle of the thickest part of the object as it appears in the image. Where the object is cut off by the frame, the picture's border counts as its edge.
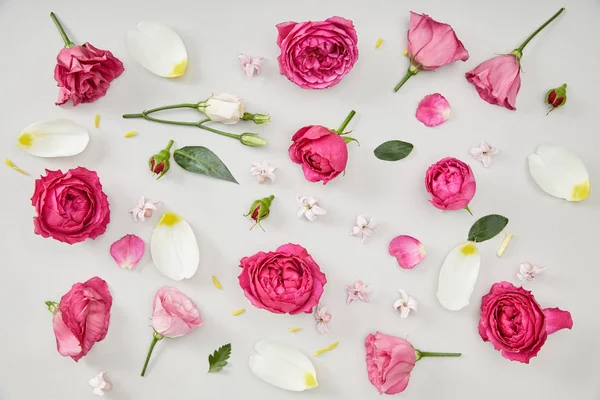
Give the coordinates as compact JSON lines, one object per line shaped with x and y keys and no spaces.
{"x":358,"y":291}
{"x":407,"y":250}
{"x":250,"y":64}
{"x":143,"y":209}
{"x":433,"y":110}
{"x":484,"y":153}
{"x":322,"y":317}
{"x":127,"y":251}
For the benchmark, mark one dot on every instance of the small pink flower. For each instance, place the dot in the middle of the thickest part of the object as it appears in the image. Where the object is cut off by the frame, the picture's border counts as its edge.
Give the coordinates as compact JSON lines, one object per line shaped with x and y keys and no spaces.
{"x":405,"y":304}
{"x":528,"y":272}
{"x":143,"y":209}
{"x":433,"y":110}
{"x":99,"y":384}
{"x":250,"y":64}
{"x":407,"y":250}
{"x":484,"y":153}
{"x":358,"y":291}
{"x":322,"y":318}
{"x":127,"y":251}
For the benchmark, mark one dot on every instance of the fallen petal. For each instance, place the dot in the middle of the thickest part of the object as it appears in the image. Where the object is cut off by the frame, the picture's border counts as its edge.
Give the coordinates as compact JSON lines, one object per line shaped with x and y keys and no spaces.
{"x":433,"y":110}
{"x":407,"y":250}
{"x":557,"y":319}
{"x":458,"y":276}
{"x":127,"y":251}
{"x":54,"y":138}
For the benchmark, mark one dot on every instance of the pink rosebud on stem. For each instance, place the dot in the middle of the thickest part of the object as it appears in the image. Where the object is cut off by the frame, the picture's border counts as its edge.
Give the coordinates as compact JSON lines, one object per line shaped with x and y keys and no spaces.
{"x":159,"y":163}
{"x":260,"y":210}
{"x":408,"y":251}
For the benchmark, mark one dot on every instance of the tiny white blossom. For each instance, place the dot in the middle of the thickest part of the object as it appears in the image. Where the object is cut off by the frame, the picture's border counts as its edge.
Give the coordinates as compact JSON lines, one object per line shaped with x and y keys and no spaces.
{"x":365,"y":227}
{"x":263,"y":171}
{"x":405,"y":303}
{"x":528,"y":272}
{"x":99,"y":384}
{"x":250,"y":64}
{"x":143,"y":209}
{"x":322,"y":317}
{"x":484,"y":153}
{"x":309,"y":208}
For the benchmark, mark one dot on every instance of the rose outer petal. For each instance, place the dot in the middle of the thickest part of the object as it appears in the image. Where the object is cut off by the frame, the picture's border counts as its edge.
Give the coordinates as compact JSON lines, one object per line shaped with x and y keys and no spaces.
{"x":433,"y":110}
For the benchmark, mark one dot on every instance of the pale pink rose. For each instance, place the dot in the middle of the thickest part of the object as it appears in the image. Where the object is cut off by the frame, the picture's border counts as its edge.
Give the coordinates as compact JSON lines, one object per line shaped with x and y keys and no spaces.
{"x":433,"y":110}
{"x":407,"y":250}
{"x":173,"y":313}
{"x":127,"y":251}
{"x":498,"y":80}
{"x":390,"y":361}
{"x":451,"y":184}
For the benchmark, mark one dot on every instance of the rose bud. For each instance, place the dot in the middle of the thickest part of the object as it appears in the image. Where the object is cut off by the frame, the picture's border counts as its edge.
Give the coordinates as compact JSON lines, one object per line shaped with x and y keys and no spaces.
{"x":252,"y":140}
{"x":159,"y":163}
{"x":225,"y":108}
{"x":557,"y":97}
{"x":259,"y":210}
{"x":256,"y":118}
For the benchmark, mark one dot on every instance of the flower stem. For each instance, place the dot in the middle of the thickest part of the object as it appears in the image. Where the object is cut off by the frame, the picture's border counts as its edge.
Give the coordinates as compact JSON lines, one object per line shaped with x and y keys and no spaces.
{"x":155,"y":338}
{"x":522,"y":46}
{"x":412,"y":70}
{"x":168,"y":148}
{"x":421,"y":354}
{"x":346,"y":122}
{"x":230,"y":135}
{"x":468,"y":209}
{"x":62,"y":32}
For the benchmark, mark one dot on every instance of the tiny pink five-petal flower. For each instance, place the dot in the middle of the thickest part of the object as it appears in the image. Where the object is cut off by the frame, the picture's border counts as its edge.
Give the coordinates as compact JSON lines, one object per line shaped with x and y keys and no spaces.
{"x":484,"y":153}
{"x":433,"y":110}
{"x":127,"y":251}
{"x":250,"y":64}
{"x":407,"y":250}
{"x":358,"y":291}
{"x":322,"y":317}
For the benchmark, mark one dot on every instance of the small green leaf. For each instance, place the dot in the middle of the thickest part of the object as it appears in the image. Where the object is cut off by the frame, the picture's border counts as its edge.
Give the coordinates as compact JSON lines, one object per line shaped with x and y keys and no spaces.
{"x":348,"y":139}
{"x":218,"y":359}
{"x":393,"y":150}
{"x":487,"y":227}
{"x":200,"y":160}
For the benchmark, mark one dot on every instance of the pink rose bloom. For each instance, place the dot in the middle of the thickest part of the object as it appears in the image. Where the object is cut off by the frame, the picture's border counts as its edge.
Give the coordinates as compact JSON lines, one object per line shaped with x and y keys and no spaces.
{"x":173,"y":313}
{"x":317,"y":54}
{"x":390,"y":361}
{"x":82,"y":317}
{"x":322,"y":153}
{"x":515,"y":323}
{"x":451,"y":184}
{"x":284,"y":281}
{"x":498,"y":80}
{"x":70,"y":207}
{"x":84,"y":73}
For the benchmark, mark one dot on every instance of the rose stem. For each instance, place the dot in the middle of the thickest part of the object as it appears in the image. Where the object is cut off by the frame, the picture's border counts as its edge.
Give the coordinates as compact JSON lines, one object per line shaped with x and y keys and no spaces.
{"x":421,"y":354}
{"x":346,"y":122}
{"x":68,"y":43}
{"x":519,"y":50}
{"x":412,"y":70}
{"x":155,"y":338}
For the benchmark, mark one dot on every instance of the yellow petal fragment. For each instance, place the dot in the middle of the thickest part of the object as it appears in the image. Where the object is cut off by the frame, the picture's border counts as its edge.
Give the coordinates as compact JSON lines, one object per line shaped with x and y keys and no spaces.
{"x":169,"y":219}
{"x":378,"y":43}
{"x":238,"y":312}
{"x":97,"y":121}
{"x":468,"y":249}
{"x":13,"y":166}
{"x":130,"y":134}
{"x":581,"y":191}
{"x":294,"y":329}
{"x":26,"y":140}
{"x":507,"y":237}
{"x":310,"y":381}
{"x":326,"y":349}
{"x":217,"y":283}
{"x":178,"y":69}
{"x":405,"y":52}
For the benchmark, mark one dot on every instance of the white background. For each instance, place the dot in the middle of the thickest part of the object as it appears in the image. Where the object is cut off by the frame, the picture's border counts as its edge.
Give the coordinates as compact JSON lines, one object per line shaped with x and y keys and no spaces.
{"x":561,"y":236}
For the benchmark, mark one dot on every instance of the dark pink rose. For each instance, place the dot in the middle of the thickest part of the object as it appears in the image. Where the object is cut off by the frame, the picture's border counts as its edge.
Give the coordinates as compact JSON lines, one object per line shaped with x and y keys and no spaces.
{"x":390,"y":361}
{"x":284,"y":281}
{"x":84,"y":73}
{"x":317,"y":54}
{"x":70,"y":207}
{"x":82,"y":317}
{"x":322,"y":153}
{"x":515,"y":323}
{"x":451,"y":184}
{"x":498,"y":80}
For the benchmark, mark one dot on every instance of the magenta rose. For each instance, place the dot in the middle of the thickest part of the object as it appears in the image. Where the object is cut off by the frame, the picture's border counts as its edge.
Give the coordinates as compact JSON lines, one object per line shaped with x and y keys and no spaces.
{"x":284,"y":281}
{"x":70,"y":207}
{"x":322,"y":153}
{"x":451,"y":184}
{"x":515,"y":323}
{"x":317,"y":54}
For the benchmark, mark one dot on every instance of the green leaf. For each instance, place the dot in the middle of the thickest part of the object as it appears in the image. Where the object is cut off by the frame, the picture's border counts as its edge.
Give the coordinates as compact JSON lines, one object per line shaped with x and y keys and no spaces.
{"x":348,"y":139}
{"x":218,"y":359}
{"x":200,"y":160}
{"x":487,"y":227}
{"x":393,"y":150}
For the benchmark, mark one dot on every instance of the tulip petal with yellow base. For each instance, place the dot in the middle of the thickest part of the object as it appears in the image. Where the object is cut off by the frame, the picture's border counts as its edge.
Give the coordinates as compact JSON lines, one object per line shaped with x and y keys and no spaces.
{"x":54,"y":138}
{"x":458,"y":276}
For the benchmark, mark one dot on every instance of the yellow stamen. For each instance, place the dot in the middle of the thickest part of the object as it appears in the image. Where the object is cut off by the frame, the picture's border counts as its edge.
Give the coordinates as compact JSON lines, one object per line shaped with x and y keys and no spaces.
{"x":378,"y":43}
{"x":13,"y":166}
{"x":169,"y":219}
{"x":405,"y":52}
{"x":238,"y":312}
{"x":97,"y":121}
{"x":310,"y":381}
{"x":130,"y":134}
{"x":468,"y":249}
{"x":26,"y":140}
{"x":178,"y":69}
{"x":326,"y":349}
{"x":217,"y":283}
{"x":507,"y":237}
{"x":294,"y":329}
{"x":581,"y":191}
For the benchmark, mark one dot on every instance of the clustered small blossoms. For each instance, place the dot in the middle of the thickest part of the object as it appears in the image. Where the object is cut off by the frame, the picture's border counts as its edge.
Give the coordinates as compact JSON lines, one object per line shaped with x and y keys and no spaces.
{"x":484,"y":153}
{"x":322,"y":317}
{"x":528,"y":272}
{"x":358,"y":291}
{"x":405,"y":304}
{"x":250,"y":64}
{"x":365,"y":227}
{"x":263,"y":171}
{"x":143,"y":209}
{"x":309,"y":208}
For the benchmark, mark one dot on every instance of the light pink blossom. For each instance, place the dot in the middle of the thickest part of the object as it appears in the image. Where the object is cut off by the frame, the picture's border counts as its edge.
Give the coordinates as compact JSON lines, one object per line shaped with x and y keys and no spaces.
{"x":143,"y":209}
{"x":358,"y":291}
{"x":433,"y":110}
{"x":263,"y":171}
{"x":484,"y":153}
{"x":322,"y":317}
{"x":250,"y":64}
{"x":528,"y":272}
{"x":405,"y":304}
{"x":365,"y":227}
{"x":127,"y":251}
{"x":99,"y":384}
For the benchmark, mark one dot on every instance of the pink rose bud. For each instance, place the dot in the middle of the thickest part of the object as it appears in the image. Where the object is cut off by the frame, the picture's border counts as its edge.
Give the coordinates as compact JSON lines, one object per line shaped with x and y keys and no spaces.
{"x":557,"y":97}
{"x":159,"y":163}
{"x":451,"y":184}
{"x":260,"y":210}
{"x":407,"y":250}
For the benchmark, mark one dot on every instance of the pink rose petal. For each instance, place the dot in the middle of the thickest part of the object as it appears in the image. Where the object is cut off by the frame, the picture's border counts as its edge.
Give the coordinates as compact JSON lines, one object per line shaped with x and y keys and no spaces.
{"x":433,"y":110}
{"x":557,"y":319}
{"x":127,"y":251}
{"x":407,"y":250}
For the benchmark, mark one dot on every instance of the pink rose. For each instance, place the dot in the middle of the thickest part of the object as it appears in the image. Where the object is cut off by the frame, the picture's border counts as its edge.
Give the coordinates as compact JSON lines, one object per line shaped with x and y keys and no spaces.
{"x":174,"y":314}
{"x":317,"y":54}
{"x":451,"y":184}
{"x":287,"y":280}
{"x":515,"y":323}
{"x":390,"y":361}
{"x":84,"y":73}
{"x":70,"y":207}
{"x":498,"y":80}
{"x":82,"y":317}
{"x":322,"y":153}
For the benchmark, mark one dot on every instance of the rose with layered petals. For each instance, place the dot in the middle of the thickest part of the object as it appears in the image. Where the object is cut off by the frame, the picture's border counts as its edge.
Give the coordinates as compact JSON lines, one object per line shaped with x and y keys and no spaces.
{"x":70,"y":207}
{"x":498,"y":80}
{"x":82,"y":317}
{"x":516,"y":324}
{"x":451,"y":184}
{"x":317,"y":54}
{"x":322,"y":153}
{"x":284,"y":281}
{"x":173,"y":313}
{"x":390,"y":361}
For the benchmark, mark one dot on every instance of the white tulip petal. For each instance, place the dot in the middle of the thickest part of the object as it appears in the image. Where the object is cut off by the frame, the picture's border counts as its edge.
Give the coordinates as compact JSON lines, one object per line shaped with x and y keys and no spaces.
{"x":174,"y":248}
{"x":458,"y":276}
{"x":559,"y":172}
{"x":54,"y":138}
{"x":157,"y":48}
{"x":283,"y":366}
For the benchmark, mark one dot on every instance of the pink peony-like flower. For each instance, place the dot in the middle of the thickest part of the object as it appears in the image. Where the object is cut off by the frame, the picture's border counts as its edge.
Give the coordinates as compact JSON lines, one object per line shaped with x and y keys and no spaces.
{"x":451,"y":184}
{"x":390,"y":361}
{"x":498,"y":80}
{"x":407,"y":250}
{"x":82,"y":317}
{"x":322,"y":153}
{"x":284,"y":281}
{"x":70,"y":207}
{"x":515,"y":323}
{"x":173,"y":313}
{"x":317,"y":54}
{"x":433,"y":110}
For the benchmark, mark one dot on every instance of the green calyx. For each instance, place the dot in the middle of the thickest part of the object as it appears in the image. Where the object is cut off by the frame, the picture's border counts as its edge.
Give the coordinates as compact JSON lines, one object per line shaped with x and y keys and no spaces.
{"x":159,"y":163}
{"x":52,"y":306}
{"x":256,"y":118}
{"x":260,"y":210}
{"x":340,"y":130}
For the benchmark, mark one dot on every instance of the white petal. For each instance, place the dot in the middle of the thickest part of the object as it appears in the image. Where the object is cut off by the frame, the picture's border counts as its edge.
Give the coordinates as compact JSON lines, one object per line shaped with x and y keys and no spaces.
{"x":318,"y":210}
{"x":283,"y":366}
{"x":301,"y":201}
{"x":559,"y":173}
{"x":361,"y":221}
{"x":398,"y":304}
{"x":54,"y":138}
{"x":458,"y":276}
{"x":300,"y":212}
{"x":174,"y":248}
{"x":356,"y":231}
{"x":157,"y":48}
{"x":412,"y":304}
{"x":310,"y":215}
{"x":404,"y":311}
{"x":403,"y":295}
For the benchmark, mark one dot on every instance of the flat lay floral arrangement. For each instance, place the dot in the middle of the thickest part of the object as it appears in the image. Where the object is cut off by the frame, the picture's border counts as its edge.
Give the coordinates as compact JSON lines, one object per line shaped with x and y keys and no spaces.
{"x":72,"y":206}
